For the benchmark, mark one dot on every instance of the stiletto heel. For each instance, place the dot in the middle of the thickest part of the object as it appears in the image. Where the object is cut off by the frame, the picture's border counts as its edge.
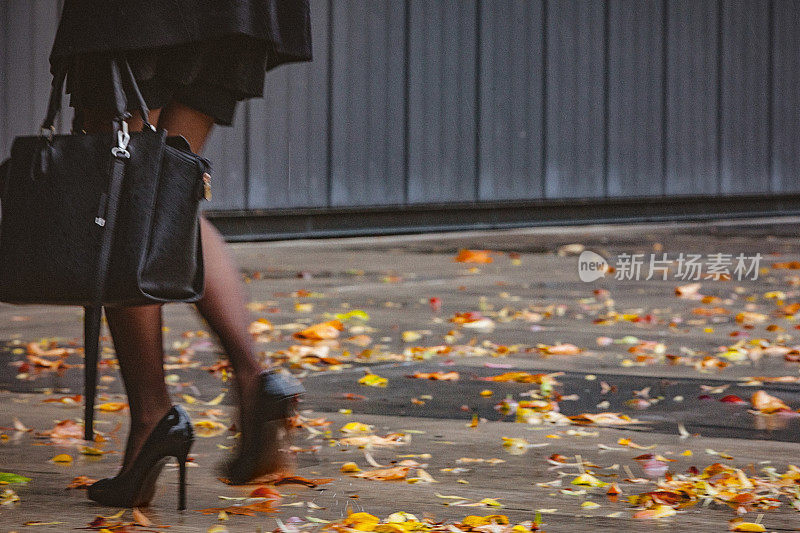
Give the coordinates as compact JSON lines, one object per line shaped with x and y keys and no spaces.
{"x":258,"y":452}
{"x":182,"y":485}
{"x":172,"y":437}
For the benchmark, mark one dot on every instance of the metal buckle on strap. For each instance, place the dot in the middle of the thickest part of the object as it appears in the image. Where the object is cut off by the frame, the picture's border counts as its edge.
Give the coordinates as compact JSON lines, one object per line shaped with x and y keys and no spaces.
{"x":48,"y":132}
{"x":123,"y":138}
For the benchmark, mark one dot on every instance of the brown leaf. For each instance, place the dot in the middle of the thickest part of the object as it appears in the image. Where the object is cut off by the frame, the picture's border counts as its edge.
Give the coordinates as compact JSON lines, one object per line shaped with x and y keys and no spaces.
{"x":385,"y":474}
{"x":322,"y":331}
{"x":140,"y":518}
{"x":436,"y":376}
{"x":81,"y":482}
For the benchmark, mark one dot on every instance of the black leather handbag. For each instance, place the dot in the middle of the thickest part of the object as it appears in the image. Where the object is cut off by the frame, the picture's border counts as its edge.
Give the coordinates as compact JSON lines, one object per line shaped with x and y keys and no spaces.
{"x":101,"y":219}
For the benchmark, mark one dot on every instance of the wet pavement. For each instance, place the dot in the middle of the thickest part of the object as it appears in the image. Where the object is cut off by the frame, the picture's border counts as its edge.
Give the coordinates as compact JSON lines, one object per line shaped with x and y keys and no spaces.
{"x":665,"y":361}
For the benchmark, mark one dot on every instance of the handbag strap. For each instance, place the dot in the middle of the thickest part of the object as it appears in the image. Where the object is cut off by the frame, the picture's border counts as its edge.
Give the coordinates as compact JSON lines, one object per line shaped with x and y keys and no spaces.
{"x":122,"y":78}
{"x":107,"y":220}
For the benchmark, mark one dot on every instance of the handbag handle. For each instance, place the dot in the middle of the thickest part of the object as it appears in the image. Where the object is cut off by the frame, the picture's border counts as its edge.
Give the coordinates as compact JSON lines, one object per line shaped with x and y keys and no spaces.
{"x":120,"y":77}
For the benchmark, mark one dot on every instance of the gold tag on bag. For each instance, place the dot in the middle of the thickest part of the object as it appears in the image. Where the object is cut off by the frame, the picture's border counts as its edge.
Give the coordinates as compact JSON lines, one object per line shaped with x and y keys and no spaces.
{"x":207,"y":186}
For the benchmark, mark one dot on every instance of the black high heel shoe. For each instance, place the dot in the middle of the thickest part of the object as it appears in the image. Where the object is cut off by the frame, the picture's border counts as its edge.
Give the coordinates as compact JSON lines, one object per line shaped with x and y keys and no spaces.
{"x":172,"y":437}
{"x":259,"y":451}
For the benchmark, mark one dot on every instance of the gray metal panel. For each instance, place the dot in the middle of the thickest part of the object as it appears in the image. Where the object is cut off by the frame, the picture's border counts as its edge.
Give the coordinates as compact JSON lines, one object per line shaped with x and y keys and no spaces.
{"x":511,"y":118}
{"x":745,"y":153}
{"x":692,"y":159}
{"x":575,"y":99}
{"x":5,"y":81}
{"x":288,"y":135}
{"x":786,"y":97}
{"x":441,"y":100}
{"x":21,"y":54}
{"x":226,"y":148}
{"x":368,"y":122}
{"x":635,"y":97}
{"x":44,"y":21}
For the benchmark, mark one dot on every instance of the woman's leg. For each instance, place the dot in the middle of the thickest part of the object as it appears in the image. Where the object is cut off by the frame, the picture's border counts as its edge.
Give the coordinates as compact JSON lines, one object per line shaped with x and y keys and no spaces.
{"x":223,"y":305}
{"x":137,"y":335}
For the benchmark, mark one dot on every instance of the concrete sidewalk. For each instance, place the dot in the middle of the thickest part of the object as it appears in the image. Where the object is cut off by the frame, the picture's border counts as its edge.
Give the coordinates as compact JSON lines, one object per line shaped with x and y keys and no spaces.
{"x":640,"y":350}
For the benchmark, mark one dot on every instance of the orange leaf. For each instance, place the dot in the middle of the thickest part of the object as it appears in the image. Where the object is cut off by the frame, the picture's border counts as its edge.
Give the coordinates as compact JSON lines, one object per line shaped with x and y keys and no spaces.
{"x":436,"y":376}
{"x":65,"y":399}
{"x":768,"y":404}
{"x":265,"y":492}
{"x":385,"y":474}
{"x":112,"y":407}
{"x":473,"y":256}
{"x":525,"y":377}
{"x":322,"y":331}
{"x":80,"y":482}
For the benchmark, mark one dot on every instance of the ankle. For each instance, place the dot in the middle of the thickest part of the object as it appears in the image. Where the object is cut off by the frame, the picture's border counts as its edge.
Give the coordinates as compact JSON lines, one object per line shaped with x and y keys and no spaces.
{"x":148,"y":418}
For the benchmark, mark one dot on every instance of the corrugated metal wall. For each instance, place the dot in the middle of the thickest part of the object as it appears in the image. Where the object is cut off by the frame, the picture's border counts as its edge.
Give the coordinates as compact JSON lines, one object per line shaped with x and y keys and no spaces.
{"x":458,"y":102}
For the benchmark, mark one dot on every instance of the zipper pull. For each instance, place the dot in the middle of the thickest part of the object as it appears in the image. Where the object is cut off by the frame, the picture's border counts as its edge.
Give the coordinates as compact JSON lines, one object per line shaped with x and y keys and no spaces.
{"x":100,"y":219}
{"x":207,"y":186}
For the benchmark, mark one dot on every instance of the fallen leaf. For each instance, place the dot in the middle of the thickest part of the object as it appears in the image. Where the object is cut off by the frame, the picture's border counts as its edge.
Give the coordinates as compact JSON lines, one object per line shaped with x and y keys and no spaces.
{"x":111,"y":407}
{"x":436,"y":376}
{"x":767,"y":404}
{"x":385,"y":474}
{"x":322,"y":331}
{"x":657,"y":511}
{"x":81,"y":482}
{"x":473,"y":256}
{"x":209,"y":428}
{"x":373,"y":380}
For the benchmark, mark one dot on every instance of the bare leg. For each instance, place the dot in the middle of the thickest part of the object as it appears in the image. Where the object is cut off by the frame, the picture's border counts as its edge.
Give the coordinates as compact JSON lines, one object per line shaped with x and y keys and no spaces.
{"x":137,"y":338}
{"x":223,"y":305}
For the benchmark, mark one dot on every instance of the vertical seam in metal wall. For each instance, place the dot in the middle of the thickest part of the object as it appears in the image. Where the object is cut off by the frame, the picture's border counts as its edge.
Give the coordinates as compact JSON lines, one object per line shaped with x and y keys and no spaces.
{"x":60,"y":123}
{"x":478,"y":81}
{"x":329,"y":111}
{"x":770,"y":87}
{"x":720,"y":43}
{"x":246,"y":162}
{"x":32,"y":64}
{"x":664,"y":90}
{"x":543,"y":170}
{"x":5,"y":114}
{"x":406,"y":93}
{"x":606,"y":85}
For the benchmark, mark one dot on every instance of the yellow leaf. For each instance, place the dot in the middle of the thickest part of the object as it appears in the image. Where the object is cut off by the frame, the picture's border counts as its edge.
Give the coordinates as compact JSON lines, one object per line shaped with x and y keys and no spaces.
{"x":209,"y":428}
{"x":362,"y":521}
{"x":491,"y":502}
{"x":657,"y":511}
{"x":486,"y":392}
{"x":748,"y":526}
{"x":373,"y":380}
{"x":217,"y":400}
{"x":355,"y":427}
{"x":189,"y":399}
{"x":111,"y":407}
{"x":349,"y":468}
{"x":88,"y":450}
{"x":588,"y":480}
{"x":590,"y":505}
{"x":62,"y":458}
{"x":477,"y":521}
{"x":411,"y":336}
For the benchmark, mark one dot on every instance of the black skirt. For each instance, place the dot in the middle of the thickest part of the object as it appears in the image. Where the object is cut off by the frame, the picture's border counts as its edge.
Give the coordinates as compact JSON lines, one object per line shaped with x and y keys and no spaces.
{"x":207,"y":54}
